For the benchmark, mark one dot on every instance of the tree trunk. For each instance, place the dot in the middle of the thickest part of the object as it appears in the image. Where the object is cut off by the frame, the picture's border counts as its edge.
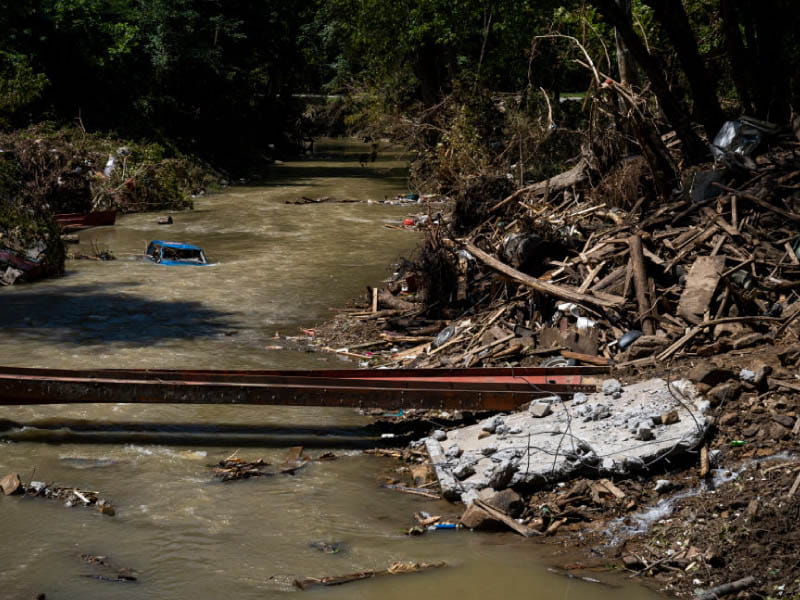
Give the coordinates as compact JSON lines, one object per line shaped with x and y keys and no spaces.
{"x":628,"y":76}
{"x":771,"y":66}
{"x":673,"y":19}
{"x":677,"y":115}
{"x":740,"y":66}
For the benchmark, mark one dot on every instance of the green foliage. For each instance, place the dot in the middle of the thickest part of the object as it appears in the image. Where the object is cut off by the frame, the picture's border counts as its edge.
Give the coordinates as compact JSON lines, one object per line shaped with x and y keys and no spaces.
{"x":19,"y":84}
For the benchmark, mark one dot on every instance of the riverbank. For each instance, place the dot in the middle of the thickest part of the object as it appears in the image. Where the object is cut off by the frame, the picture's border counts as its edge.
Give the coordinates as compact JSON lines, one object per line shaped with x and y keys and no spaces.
{"x":185,"y":533}
{"x":46,"y":172}
{"x":564,"y":272}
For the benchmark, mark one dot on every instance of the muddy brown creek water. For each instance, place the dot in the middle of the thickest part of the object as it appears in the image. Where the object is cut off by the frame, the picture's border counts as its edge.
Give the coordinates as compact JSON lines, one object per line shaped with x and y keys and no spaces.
{"x":278,"y":268}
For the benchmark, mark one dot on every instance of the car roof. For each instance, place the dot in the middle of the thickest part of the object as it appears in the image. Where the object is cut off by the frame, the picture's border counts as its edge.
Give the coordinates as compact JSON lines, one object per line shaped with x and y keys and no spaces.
{"x":176,"y":245}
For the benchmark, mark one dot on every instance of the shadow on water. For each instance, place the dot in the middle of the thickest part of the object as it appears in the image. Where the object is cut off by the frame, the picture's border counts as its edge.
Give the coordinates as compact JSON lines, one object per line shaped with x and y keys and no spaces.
{"x":190,"y":434}
{"x":316,"y":171}
{"x":88,"y":313}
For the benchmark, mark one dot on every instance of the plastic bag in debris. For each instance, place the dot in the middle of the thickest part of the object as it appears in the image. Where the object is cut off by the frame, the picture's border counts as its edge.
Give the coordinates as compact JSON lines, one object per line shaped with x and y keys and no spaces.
{"x":737,"y":140}
{"x":110,"y":164}
{"x":444,"y":335}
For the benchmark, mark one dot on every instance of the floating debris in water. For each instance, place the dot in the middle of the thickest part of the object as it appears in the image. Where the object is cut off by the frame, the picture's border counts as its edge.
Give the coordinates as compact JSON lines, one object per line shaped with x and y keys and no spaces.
{"x":397,"y":568}
{"x":12,"y":485}
{"x":232,"y":469}
{"x":105,"y":570}
{"x":328,"y":547}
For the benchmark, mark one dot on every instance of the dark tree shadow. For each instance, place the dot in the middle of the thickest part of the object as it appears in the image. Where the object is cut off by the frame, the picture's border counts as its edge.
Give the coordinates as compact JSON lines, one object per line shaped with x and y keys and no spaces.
{"x":87,"y":313}
{"x":60,"y":431}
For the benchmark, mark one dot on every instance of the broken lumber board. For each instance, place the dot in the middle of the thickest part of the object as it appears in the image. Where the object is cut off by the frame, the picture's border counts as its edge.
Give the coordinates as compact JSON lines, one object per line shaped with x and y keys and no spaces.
{"x":761,"y":202}
{"x":600,"y":361}
{"x":413,"y":491}
{"x":701,"y":283}
{"x":557,"y":291}
{"x":447,"y":481}
{"x":640,"y":283}
{"x":498,"y":514}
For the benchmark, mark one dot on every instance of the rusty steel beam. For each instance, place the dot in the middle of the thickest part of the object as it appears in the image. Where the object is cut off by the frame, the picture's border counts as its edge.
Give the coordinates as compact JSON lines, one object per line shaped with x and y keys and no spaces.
{"x":418,"y":389}
{"x":60,"y":391}
{"x":566,"y":375}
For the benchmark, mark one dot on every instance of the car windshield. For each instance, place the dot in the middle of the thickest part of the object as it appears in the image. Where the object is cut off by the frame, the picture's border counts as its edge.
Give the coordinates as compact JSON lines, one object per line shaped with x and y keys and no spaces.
{"x":182,"y":254}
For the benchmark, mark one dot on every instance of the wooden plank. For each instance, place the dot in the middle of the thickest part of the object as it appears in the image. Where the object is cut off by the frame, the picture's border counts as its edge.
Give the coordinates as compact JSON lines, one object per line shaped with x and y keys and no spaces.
{"x":495,"y":513}
{"x":640,"y":284}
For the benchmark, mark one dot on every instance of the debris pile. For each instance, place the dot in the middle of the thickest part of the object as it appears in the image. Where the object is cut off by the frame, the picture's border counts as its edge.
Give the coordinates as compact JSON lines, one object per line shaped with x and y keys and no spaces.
{"x":234,"y":469}
{"x":70,"y":496}
{"x":556,"y":271}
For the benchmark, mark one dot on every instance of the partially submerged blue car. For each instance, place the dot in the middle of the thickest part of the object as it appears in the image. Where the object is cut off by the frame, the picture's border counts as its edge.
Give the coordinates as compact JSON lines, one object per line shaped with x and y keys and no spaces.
{"x":175,"y":254}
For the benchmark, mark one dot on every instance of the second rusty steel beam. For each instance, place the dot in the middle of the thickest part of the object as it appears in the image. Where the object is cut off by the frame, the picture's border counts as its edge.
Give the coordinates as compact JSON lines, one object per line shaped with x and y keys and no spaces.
{"x":17,"y":389}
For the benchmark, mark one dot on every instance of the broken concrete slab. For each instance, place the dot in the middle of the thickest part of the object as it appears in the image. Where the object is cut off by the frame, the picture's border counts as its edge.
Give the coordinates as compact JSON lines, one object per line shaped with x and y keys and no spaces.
{"x":565,"y":443}
{"x":539,"y":409}
{"x":449,"y":484}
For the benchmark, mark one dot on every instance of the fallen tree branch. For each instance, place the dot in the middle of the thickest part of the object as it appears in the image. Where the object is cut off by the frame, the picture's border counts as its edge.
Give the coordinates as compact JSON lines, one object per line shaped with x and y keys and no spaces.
{"x":398,"y":568}
{"x":555,"y":184}
{"x":557,"y":291}
{"x":727,"y":588}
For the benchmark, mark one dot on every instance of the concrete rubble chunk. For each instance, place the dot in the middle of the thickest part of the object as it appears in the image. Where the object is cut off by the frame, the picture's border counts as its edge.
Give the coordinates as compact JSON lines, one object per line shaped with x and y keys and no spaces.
{"x":669,"y":418}
{"x":463,"y":470}
{"x":439,"y":435}
{"x":453,"y":451}
{"x":579,"y":398}
{"x":611,"y":387}
{"x":542,"y":452}
{"x":597,"y":412}
{"x":540,"y":409}
{"x":447,"y":482}
{"x":491,"y":425}
{"x":500,"y":475}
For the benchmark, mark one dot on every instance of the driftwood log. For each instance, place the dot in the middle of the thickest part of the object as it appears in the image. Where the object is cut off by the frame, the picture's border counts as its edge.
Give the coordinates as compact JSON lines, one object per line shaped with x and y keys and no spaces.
{"x":561,"y":292}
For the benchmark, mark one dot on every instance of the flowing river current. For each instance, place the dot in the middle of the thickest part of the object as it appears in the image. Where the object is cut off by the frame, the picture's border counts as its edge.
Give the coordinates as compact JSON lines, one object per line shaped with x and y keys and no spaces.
{"x":278,"y":268}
